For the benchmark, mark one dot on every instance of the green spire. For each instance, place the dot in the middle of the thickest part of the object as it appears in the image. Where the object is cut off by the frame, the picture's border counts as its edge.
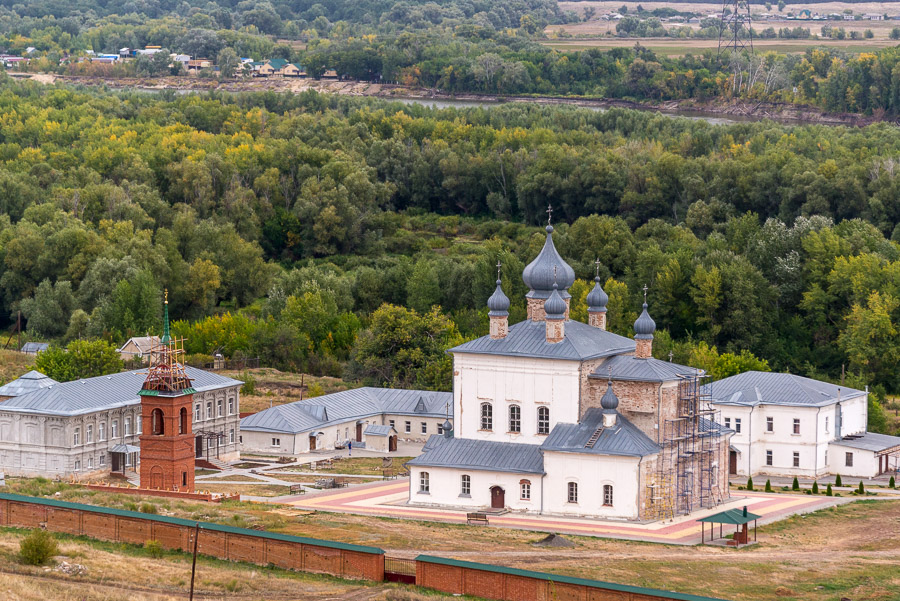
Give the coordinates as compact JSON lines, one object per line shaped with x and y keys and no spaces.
{"x":166,"y":338}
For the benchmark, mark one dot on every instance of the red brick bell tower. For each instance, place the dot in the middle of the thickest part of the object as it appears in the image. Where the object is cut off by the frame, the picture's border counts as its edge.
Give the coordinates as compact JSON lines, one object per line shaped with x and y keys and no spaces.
{"x":167,"y":444}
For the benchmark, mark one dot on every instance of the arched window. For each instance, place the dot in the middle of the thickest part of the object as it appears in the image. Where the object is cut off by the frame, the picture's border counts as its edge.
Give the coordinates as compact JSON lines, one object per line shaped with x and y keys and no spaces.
{"x":183,"y":421}
{"x":487,"y":416}
{"x":607,"y":495}
{"x":423,"y":482}
{"x":543,"y":420}
{"x":156,"y":422}
{"x":573,"y":492}
{"x":465,"y":485}
{"x":515,"y":418}
{"x":525,"y":490}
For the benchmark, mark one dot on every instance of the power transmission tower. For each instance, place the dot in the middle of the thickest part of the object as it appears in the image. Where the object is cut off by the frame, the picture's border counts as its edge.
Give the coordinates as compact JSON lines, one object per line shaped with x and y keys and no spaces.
{"x":735,"y":34}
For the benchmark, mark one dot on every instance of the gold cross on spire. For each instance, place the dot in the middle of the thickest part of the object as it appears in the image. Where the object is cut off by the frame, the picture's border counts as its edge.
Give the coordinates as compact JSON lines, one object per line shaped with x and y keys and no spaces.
{"x":167,"y":296}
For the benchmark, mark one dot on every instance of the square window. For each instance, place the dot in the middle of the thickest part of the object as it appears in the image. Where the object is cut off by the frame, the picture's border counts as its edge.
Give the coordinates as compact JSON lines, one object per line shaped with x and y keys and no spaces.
{"x":102,"y":459}
{"x":727,"y":422}
{"x":737,"y":425}
{"x":276,"y":442}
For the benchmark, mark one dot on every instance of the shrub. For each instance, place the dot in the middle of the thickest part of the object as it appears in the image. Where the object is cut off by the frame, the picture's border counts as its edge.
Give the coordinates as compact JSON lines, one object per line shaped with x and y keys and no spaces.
{"x":861,"y":490}
{"x":815,"y":488}
{"x":891,"y":483}
{"x":37,"y":548}
{"x":837,"y":480}
{"x":750,"y":483}
{"x":148,"y":508}
{"x":796,"y":484}
{"x":828,"y":491}
{"x":768,"y":486}
{"x":249,"y":380}
{"x":154,"y":548}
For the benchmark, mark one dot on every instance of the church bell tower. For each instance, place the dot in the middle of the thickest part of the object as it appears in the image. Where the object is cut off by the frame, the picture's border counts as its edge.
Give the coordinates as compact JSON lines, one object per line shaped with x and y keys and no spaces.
{"x":167,"y":444}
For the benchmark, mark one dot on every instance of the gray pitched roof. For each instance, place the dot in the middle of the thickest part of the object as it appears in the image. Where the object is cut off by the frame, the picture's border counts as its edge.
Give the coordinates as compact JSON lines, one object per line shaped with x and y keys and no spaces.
{"x":622,"y":439}
{"x":308,"y":414}
{"x":529,"y":339}
{"x":33,"y":380}
{"x":35,"y":347}
{"x":629,"y":367}
{"x":103,"y":392}
{"x":376,"y":430}
{"x":480,"y":455}
{"x":758,"y":387}
{"x":870,"y":441}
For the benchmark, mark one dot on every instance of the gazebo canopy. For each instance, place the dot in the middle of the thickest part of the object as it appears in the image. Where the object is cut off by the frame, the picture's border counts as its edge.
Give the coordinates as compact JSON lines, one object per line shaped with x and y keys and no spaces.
{"x":125,"y":448}
{"x":731,"y":516}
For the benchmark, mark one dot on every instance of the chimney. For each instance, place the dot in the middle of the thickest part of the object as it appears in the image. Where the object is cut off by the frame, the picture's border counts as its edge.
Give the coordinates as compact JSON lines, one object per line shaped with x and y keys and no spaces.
{"x":644,"y":327}
{"x":555,"y":309}
{"x":596,"y":301}
{"x":498,"y":311}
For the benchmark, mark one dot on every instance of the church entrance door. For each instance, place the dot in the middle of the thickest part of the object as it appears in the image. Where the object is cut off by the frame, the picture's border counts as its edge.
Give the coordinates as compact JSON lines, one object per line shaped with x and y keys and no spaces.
{"x":498,"y":498}
{"x":732,"y":462}
{"x":359,"y":432}
{"x":392,"y":444}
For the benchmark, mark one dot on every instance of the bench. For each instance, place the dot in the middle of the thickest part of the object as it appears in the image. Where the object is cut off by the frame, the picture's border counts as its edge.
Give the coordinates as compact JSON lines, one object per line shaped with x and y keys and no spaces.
{"x":340,"y":482}
{"x":477,"y":518}
{"x":297,"y":489}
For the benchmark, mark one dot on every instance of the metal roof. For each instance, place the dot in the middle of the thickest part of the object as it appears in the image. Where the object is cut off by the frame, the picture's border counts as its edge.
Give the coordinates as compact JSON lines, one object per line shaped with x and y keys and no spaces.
{"x":309,"y":414}
{"x":102,"y":392}
{"x":529,"y":339}
{"x":35,"y":347}
{"x":190,"y":523}
{"x":125,"y":448}
{"x":629,"y":367}
{"x":144,"y":344}
{"x":759,"y":387}
{"x":480,"y":455}
{"x":622,"y":439}
{"x":547,"y":269}
{"x":31,"y":381}
{"x":731,"y":516}
{"x":869,"y":441}
{"x":638,"y":590}
{"x":375,"y":430}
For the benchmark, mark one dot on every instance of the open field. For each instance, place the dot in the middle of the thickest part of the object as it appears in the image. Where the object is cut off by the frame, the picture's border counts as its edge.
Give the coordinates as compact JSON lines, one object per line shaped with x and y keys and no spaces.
{"x":848,"y":551}
{"x":601,"y":7}
{"x":677,"y":47}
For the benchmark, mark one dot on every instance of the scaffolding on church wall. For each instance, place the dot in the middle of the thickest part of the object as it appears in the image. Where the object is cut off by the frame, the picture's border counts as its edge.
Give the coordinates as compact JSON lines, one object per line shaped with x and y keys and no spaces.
{"x":687,"y":469}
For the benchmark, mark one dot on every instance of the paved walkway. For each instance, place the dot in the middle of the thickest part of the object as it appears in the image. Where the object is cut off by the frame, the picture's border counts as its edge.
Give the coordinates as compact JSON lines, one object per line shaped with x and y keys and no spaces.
{"x":387,"y":499}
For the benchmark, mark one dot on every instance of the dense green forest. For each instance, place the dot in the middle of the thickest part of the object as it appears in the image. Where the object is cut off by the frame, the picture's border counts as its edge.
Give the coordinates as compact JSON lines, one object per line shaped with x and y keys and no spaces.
{"x":356,"y":237}
{"x":455,"y":46}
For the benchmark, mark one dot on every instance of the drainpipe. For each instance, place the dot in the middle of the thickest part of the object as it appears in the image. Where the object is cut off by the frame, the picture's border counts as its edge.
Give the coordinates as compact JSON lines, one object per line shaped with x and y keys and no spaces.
{"x":816,"y":463}
{"x":544,"y":475}
{"x":658,"y":413}
{"x":750,"y":442}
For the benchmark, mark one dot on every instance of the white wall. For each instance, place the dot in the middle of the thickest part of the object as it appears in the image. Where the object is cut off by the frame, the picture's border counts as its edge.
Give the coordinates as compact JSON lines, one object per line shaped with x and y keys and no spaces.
{"x":505,"y":381}
{"x":592,"y":472}
{"x":865,"y":464}
{"x":817,"y":430}
{"x":445,"y":488}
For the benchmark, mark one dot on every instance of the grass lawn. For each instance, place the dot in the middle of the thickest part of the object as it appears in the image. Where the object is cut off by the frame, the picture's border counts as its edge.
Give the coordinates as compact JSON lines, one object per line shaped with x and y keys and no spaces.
{"x":849,"y":551}
{"x":363,"y":466}
{"x":13,"y":364}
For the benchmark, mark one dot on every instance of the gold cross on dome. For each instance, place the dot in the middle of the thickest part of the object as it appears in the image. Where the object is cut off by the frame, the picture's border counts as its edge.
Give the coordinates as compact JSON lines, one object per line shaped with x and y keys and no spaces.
{"x":597,"y":265}
{"x":549,"y":213}
{"x":645,"y":293}
{"x":498,"y":268}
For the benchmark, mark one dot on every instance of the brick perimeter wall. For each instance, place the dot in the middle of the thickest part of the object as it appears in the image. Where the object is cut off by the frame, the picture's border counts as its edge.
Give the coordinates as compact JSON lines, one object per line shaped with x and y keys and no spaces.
{"x":230,"y":545}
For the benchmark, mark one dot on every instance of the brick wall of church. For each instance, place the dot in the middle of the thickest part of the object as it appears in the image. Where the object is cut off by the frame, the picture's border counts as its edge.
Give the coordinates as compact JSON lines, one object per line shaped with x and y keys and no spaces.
{"x":647,"y":475}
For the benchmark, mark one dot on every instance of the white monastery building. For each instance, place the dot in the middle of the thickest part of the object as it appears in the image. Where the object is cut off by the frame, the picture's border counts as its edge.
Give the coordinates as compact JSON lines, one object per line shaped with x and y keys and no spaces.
{"x":787,"y":425}
{"x":555,"y":416}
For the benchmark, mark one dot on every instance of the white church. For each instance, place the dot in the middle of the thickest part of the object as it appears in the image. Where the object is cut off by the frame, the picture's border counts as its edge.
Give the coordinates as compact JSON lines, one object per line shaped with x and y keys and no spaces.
{"x":554,"y":416}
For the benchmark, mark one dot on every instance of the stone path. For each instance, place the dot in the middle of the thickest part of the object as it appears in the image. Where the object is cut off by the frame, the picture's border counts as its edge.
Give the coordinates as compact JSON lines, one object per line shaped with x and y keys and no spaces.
{"x":386,"y":499}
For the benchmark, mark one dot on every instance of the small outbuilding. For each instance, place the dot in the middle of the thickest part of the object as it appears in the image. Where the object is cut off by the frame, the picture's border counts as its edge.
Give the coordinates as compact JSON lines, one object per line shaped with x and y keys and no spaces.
{"x":33,"y":348}
{"x":740,"y":518}
{"x":382,"y":439}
